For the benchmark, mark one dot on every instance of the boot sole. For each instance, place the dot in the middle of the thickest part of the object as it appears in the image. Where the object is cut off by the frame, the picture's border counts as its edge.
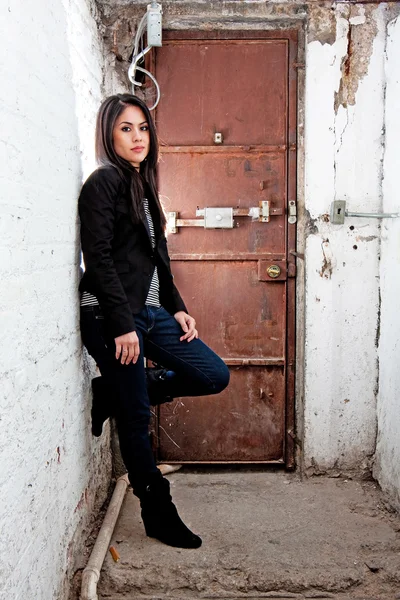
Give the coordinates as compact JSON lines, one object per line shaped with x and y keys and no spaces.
{"x":174,"y":543}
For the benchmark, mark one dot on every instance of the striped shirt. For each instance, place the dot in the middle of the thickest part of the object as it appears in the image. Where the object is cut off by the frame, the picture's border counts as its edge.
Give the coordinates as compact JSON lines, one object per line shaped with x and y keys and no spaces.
{"x":153,"y":297}
{"x":88,"y":299}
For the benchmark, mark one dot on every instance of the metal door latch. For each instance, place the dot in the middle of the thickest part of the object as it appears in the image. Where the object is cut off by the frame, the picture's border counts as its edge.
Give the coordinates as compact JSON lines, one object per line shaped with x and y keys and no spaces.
{"x":339,"y":212}
{"x":216,"y":218}
{"x":222,"y":218}
{"x":263,"y":214}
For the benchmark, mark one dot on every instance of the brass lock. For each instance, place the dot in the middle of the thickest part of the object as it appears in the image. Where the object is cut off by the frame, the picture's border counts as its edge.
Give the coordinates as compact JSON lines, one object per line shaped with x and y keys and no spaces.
{"x":274,"y":271}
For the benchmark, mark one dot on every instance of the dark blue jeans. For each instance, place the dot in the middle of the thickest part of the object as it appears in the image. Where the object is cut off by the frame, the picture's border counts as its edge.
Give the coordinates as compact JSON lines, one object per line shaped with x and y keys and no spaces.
{"x":198,"y":372}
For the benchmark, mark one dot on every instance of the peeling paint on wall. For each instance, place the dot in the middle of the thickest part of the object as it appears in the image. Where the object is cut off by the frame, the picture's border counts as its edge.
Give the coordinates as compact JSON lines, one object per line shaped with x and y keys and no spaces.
{"x":362,"y":30}
{"x":311,"y":227}
{"x":321,"y":24}
{"x":343,"y":154}
{"x":366,"y":238}
{"x":328,"y":261}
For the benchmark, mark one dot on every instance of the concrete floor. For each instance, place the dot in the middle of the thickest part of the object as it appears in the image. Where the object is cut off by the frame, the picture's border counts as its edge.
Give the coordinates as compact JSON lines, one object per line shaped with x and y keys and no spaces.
{"x":265,"y":535}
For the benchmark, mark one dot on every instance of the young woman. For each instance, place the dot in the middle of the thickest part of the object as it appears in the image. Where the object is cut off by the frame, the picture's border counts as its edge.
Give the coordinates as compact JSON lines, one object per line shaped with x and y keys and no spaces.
{"x":129,"y":286}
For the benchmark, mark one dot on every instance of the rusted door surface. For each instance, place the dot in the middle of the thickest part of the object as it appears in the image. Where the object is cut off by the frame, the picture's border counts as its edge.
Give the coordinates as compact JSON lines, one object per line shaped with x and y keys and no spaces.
{"x":237,"y":282}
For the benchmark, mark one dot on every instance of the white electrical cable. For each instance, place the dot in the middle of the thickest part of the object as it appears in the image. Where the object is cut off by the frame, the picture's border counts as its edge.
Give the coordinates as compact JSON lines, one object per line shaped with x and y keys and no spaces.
{"x":154,"y":80}
{"x":133,"y":67}
{"x":137,"y":56}
{"x":140,"y":31}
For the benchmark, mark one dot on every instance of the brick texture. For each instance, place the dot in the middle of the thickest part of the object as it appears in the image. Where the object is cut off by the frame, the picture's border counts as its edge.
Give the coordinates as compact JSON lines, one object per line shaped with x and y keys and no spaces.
{"x":53,"y":473}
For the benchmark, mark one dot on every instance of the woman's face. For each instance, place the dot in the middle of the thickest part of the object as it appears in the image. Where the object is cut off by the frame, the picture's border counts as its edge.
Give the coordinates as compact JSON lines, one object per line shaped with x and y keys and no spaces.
{"x":131,"y":136}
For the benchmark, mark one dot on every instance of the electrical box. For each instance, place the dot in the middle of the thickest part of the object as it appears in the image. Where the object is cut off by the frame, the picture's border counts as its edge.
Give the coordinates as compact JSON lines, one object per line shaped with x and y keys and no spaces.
{"x":154,"y":24}
{"x":338,"y":212}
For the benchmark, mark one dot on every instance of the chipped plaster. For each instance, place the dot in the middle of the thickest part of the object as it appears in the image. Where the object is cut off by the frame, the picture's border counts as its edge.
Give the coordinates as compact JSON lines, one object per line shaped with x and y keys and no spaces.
{"x":361,"y":32}
{"x":321,"y":24}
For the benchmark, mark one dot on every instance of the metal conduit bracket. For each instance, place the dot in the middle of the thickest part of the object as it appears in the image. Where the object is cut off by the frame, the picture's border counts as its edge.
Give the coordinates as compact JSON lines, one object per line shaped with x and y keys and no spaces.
{"x":339,"y":212}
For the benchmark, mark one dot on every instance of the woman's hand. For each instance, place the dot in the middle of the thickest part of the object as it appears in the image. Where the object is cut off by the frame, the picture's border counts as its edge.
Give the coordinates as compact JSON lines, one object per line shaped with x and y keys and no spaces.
{"x":188,"y":325}
{"x":127,"y":347}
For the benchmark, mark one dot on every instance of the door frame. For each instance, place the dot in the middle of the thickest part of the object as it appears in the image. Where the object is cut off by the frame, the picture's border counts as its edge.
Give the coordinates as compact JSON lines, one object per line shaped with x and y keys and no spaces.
{"x":295,"y":283}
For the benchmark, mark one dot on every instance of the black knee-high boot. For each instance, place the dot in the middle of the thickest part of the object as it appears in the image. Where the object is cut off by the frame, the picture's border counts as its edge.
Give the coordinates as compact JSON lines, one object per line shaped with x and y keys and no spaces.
{"x":159,"y":514}
{"x":102,"y":403}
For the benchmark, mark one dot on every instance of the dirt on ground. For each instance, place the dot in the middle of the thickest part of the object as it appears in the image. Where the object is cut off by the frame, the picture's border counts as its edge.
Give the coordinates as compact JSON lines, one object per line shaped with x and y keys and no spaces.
{"x":265,"y":535}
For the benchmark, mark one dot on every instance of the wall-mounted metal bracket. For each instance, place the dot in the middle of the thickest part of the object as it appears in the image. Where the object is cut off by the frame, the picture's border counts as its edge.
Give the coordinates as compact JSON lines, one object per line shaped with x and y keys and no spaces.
{"x":292,"y":218}
{"x":339,"y":212}
{"x":338,"y":209}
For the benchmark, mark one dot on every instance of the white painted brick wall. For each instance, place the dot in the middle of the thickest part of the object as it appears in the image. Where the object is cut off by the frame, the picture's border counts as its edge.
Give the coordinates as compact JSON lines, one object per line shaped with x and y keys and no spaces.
{"x":387,"y":460}
{"x":53,"y":471}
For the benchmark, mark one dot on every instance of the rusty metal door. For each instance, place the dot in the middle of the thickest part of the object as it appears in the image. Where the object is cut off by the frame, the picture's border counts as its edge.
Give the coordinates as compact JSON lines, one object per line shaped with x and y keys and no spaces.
{"x":227,"y":127}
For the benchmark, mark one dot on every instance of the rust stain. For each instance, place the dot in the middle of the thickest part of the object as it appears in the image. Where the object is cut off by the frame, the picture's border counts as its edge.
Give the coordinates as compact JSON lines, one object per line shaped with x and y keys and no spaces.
{"x":355,"y":63}
{"x":327,"y":262}
{"x":347,"y":60}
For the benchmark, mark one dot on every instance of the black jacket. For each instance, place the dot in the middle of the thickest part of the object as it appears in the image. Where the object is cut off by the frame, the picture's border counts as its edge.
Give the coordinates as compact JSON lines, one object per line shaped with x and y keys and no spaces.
{"x":118,"y":256}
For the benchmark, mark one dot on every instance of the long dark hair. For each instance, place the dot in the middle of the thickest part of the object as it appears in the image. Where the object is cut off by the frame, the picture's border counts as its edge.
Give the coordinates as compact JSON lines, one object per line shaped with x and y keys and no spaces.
{"x":108,"y":113}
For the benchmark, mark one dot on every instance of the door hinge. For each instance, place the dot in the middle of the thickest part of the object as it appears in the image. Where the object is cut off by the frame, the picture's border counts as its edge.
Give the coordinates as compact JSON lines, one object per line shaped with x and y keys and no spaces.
{"x":291,"y":269}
